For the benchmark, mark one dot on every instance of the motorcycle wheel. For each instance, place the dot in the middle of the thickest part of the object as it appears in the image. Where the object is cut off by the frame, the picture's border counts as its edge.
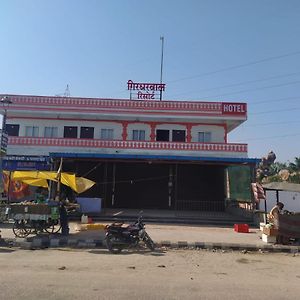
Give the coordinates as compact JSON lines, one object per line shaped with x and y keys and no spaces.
{"x":148,"y":241}
{"x":111,"y":246}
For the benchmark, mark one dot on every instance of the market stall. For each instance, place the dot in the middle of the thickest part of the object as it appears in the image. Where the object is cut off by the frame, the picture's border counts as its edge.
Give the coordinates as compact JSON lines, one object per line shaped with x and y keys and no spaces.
{"x":31,"y":217}
{"x":287,"y":225}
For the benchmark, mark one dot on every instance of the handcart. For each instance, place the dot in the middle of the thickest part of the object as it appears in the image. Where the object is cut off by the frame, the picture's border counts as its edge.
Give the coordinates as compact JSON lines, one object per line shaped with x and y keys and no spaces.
{"x":31,"y":218}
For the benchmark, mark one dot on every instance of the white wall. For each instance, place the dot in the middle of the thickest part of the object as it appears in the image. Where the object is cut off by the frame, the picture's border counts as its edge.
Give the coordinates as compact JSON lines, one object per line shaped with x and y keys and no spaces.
{"x":117,"y":127}
{"x":217,"y":133}
{"x":291,"y":200}
{"x":138,"y":126}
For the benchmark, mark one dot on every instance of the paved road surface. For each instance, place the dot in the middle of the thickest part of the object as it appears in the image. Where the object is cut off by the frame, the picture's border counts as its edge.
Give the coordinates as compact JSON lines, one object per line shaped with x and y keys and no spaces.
{"x":173,"y":233}
{"x":175,"y":274}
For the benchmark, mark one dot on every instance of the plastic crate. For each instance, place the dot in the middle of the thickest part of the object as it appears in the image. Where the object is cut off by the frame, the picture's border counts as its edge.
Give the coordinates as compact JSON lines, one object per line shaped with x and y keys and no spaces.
{"x":244,"y":228}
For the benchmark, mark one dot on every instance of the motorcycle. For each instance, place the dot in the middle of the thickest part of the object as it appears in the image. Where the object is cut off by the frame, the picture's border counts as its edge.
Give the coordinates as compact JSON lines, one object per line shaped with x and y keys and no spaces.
{"x":119,"y":237}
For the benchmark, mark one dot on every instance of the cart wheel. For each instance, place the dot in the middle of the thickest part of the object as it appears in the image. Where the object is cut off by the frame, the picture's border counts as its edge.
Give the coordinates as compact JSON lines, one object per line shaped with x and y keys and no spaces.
{"x":20,"y":230}
{"x":54,"y":227}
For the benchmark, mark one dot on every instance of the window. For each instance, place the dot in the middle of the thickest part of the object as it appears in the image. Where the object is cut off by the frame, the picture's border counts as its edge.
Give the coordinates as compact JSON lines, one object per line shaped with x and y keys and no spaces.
{"x":138,"y":135}
{"x":51,"y":132}
{"x":204,"y":137}
{"x":162,"y":135}
{"x":32,"y":131}
{"x":12,"y":129}
{"x":87,"y":132}
{"x":178,"y":135}
{"x":70,"y":132}
{"x":107,"y":134}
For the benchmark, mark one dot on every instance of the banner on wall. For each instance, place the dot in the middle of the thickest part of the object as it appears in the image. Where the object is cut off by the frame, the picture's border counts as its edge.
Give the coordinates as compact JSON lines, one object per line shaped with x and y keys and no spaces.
{"x":15,"y":189}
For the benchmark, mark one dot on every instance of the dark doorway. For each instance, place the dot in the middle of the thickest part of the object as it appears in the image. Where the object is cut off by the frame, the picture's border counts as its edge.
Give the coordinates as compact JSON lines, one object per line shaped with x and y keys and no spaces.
{"x":70,"y":132}
{"x":178,"y":135}
{"x":86,"y":132}
{"x":141,"y":185}
{"x":162,"y":135}
{"x":200,"y":187}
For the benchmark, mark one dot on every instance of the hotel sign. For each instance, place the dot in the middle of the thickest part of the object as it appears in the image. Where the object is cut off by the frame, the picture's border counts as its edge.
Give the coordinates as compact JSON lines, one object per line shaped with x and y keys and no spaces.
{"x":234,"y":108}
{"x":146,"y":91}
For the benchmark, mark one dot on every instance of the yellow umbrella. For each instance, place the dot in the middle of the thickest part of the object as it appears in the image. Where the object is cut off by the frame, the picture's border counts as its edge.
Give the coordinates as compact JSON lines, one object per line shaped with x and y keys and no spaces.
{"x":36,"y":182}
{"x":39,"y":178}
{"x":83,"y":184}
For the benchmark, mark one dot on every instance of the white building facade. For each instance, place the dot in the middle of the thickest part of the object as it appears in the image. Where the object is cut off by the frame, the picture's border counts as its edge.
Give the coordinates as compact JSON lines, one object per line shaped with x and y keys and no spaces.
{"x":132,"y":139}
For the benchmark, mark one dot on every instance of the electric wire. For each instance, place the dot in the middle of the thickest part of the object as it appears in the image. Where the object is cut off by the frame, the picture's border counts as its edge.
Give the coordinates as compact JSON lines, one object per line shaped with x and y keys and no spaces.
{"x":254,"y":89}
{"x":91,"y":170}
{"x":276,"y":100}
{"x":132,"y":181}
{"x":271,"y":123}
{"x":240,"y":83}
{"x":271,"y":137}
{"x":238,"y":66}
{"x":274,"y":111}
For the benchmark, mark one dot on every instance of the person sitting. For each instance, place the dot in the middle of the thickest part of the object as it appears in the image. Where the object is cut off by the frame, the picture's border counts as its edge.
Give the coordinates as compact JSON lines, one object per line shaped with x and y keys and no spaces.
{"x":40,"y":195}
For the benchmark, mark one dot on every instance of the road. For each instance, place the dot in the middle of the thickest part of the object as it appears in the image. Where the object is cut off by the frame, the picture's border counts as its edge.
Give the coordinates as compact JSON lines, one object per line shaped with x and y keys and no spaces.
{"x":172,"y":274}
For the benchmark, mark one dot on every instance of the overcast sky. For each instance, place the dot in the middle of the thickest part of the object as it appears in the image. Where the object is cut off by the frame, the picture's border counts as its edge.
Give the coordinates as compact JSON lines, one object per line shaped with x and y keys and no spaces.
{"x":214,"y":50}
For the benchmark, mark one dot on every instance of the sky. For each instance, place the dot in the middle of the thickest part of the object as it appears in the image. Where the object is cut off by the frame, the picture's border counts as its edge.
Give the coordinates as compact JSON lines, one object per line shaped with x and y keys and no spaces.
{"x":214,"y":50}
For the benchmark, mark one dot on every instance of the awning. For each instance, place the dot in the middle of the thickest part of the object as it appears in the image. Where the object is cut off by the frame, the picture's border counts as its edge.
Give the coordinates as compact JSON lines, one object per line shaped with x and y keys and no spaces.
{"x":204,"y":159}
{"x":282,"y":186}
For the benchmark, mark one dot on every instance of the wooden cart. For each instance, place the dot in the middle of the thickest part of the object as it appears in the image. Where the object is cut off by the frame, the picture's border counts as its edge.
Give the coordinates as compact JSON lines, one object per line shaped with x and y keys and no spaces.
{"x":289,"y":225}
{"x":31,"y":218}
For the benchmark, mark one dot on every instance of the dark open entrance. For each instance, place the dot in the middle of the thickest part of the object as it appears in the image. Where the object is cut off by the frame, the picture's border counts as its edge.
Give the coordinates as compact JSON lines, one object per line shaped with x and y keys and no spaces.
{"x":200,"y":187}
{"x":153,"y":185}
{"x":141,"y":185}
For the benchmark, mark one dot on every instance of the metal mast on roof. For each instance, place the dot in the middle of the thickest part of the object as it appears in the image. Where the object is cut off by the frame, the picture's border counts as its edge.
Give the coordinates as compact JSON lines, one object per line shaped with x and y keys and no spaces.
{"x":161,"y":63}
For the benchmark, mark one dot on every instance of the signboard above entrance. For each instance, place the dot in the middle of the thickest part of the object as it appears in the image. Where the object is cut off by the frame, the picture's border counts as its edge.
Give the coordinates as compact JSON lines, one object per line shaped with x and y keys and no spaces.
{"x":145,"y":91}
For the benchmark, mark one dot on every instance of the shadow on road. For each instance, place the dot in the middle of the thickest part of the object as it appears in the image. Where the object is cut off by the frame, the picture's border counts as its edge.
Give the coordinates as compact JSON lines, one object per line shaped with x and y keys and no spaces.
{"x":6,"y":250}
{"x":157,"y":252}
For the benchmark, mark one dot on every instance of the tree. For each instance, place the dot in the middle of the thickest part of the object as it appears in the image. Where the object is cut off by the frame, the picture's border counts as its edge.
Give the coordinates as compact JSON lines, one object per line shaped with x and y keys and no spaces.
{"x":294,"y":166}
{"x":276,"y":167}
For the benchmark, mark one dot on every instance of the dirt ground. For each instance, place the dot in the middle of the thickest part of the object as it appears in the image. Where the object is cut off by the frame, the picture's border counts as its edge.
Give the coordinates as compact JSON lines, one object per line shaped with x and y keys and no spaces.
{"x":172,"y":274}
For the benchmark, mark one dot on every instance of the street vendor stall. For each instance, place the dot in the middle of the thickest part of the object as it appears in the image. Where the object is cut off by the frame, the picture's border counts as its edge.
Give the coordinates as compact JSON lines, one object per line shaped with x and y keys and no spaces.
{"x":287,"y":225}
{"x":33,"y":217}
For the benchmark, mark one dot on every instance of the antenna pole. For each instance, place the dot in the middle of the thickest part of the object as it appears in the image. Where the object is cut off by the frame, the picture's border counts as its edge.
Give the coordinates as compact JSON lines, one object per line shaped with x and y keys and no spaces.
{"x":161,"y":64}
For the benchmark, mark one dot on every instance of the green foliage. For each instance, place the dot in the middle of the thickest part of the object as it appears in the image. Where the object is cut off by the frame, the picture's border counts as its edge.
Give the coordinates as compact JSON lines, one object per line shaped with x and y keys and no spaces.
{"x":292,"y":167}
{"x":276,"y":167}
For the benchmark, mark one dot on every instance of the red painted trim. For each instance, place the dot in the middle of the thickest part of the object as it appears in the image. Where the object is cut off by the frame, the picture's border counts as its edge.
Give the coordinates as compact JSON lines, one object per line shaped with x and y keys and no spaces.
{"x":124,"y":106}
{"x":116,"y":121}
{"x":188,"y":133}
{"x":113,"y":111}
{"x":148,"y":145}
{"x":153,"y":131}
{"x":124,"y":133}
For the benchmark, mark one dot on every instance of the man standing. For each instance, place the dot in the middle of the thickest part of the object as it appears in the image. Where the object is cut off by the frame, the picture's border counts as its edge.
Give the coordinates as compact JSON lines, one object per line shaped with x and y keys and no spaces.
{"x":274,"y":219}
{"x":274,"y":213}
{"x":64,"y":222}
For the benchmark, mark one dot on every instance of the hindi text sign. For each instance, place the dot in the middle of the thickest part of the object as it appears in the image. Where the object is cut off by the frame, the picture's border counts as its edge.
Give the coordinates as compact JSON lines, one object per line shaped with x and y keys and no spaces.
{"x":145,"y":91}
